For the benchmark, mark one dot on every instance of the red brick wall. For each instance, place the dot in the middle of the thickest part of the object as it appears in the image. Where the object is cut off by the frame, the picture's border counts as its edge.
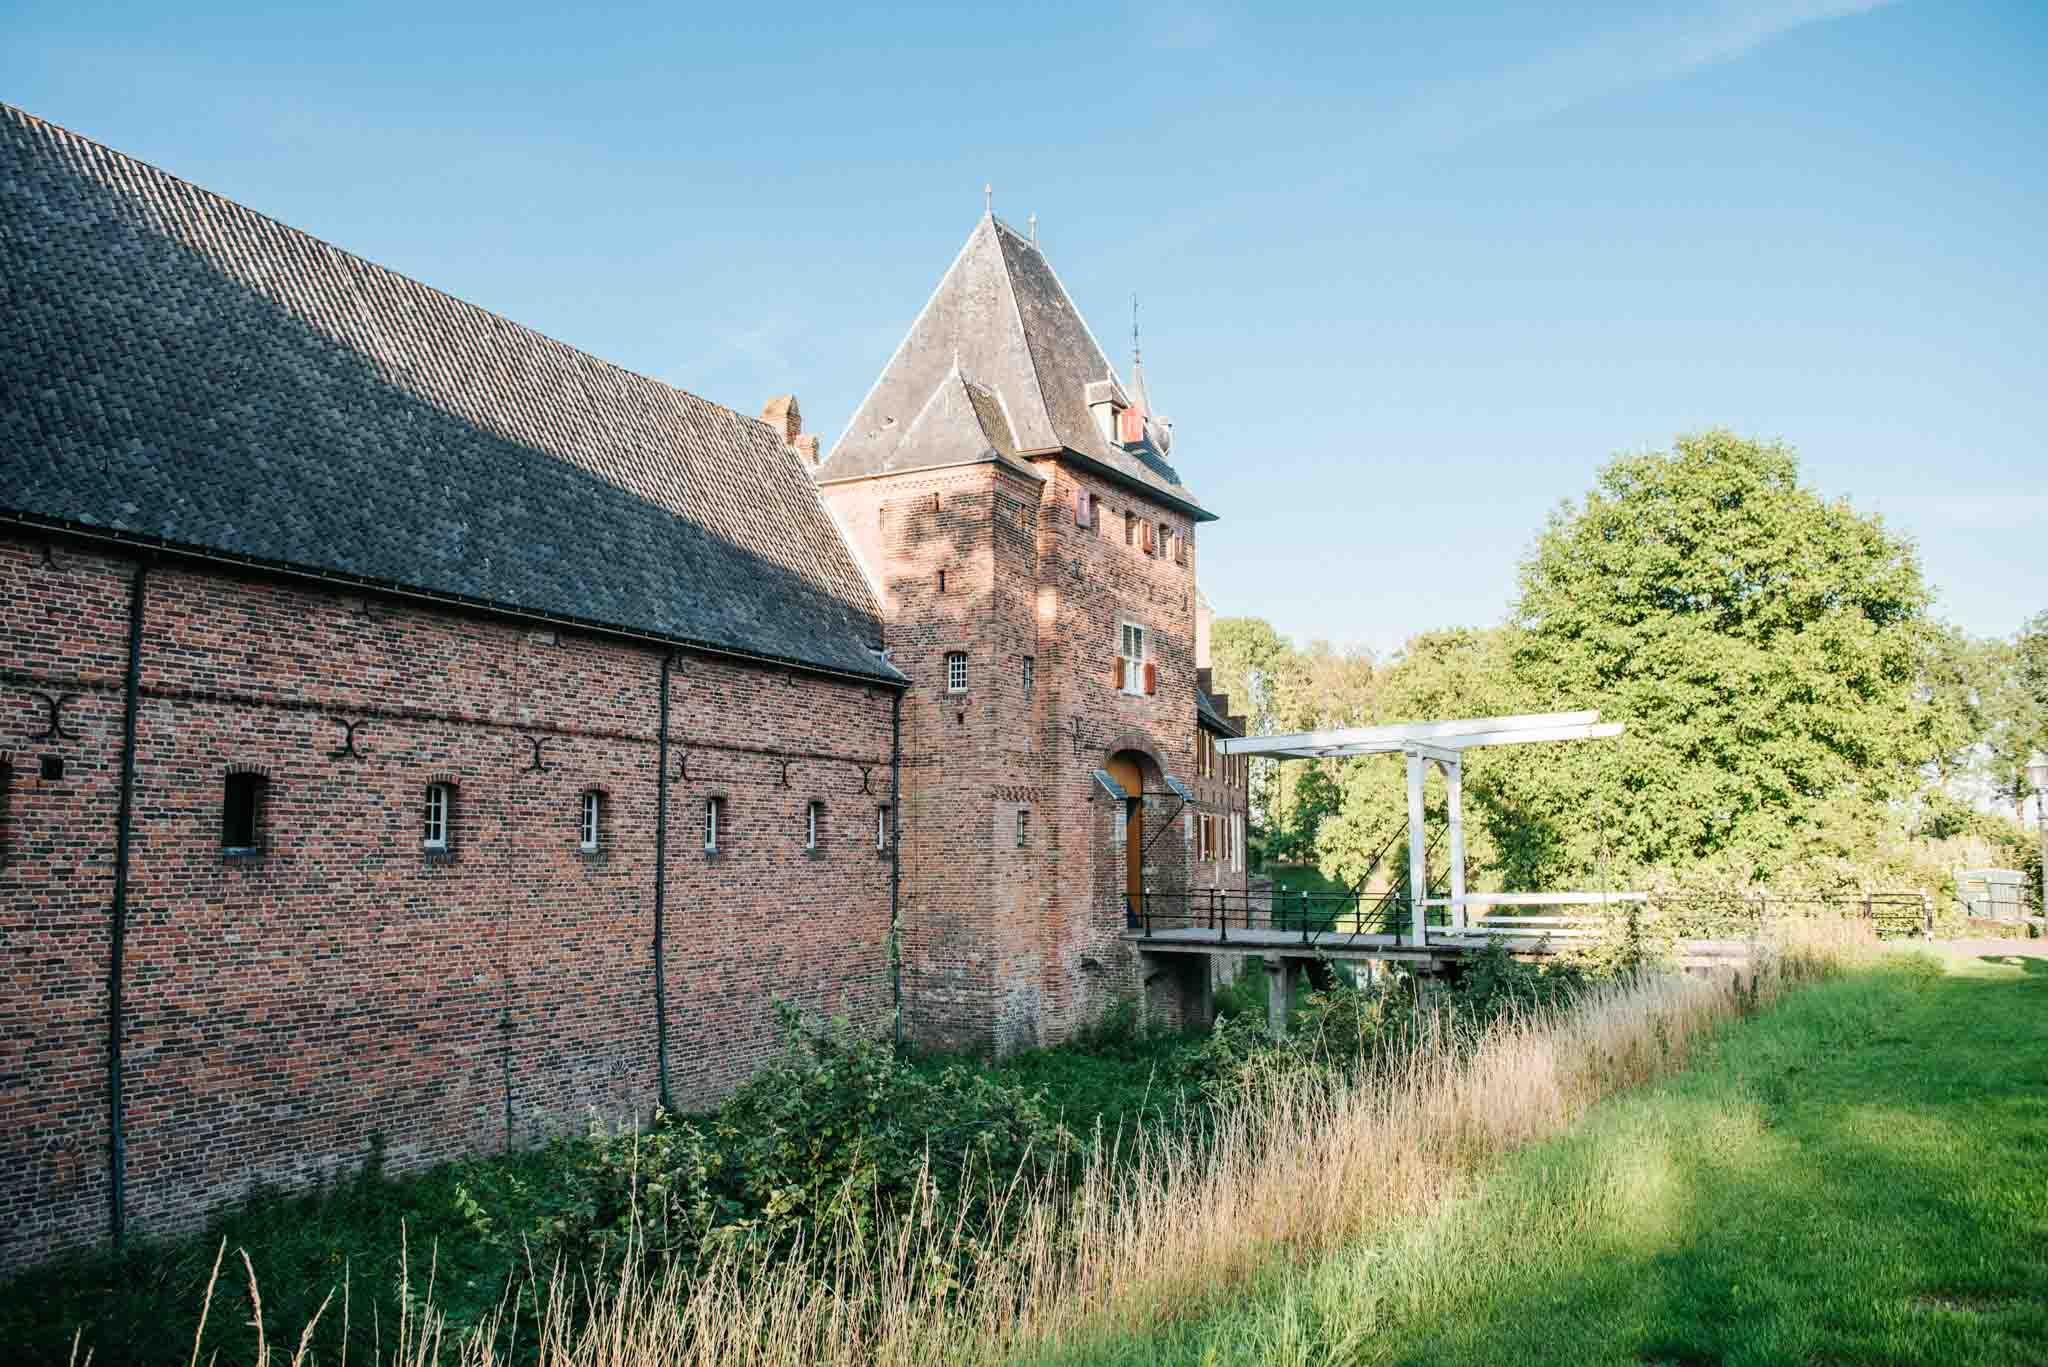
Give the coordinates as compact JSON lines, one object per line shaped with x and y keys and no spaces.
{"x":279,"y":1011}
{"x":1005,"y":947}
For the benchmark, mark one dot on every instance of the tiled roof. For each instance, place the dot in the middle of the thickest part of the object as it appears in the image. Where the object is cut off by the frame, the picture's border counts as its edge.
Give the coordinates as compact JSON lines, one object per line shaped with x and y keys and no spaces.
{"x":1002,"y":317}
{"x":176,"y":368}
{"x":1205,"y":711}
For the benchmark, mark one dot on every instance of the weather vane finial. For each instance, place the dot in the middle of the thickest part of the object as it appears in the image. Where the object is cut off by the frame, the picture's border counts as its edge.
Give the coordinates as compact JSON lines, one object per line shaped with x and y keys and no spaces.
{"x":988,"y":198}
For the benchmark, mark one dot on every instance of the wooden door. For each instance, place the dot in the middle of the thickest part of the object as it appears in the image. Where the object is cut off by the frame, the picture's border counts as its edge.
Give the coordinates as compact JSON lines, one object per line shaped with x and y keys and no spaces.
{"x":1124,"y":769}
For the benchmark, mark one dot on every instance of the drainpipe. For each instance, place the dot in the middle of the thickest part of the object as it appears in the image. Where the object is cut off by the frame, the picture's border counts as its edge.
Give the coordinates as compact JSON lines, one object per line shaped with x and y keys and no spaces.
{"x":896,"y":861}
{"x":117,"y":1147}
{"x":661,"y":895}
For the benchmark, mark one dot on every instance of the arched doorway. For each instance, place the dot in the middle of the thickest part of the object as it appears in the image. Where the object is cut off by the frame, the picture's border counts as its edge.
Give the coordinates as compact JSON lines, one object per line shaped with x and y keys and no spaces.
{"x":1128,"y":768}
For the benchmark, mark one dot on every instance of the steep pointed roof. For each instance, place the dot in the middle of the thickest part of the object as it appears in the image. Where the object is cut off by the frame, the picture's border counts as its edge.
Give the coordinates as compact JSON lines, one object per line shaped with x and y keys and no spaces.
{"x":1001,"y":316}
{"x":963,"y":423}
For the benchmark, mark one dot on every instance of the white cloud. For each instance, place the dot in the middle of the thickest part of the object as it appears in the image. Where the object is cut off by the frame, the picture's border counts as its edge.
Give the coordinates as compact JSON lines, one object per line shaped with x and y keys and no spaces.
{"x":1658,"y":48}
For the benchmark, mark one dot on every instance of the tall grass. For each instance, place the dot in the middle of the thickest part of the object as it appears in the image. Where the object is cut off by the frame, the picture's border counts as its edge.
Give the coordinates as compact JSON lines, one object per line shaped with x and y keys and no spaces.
{"x":1295,"y":1167}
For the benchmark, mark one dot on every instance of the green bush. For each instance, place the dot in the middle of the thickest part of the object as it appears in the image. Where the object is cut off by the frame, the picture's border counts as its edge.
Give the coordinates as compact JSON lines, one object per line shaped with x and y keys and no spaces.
{"x":837,"y":1131}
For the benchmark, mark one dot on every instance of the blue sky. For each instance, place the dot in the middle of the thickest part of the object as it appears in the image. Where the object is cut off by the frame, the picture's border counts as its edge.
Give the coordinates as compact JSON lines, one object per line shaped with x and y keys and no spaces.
{"x":1406,"y":277}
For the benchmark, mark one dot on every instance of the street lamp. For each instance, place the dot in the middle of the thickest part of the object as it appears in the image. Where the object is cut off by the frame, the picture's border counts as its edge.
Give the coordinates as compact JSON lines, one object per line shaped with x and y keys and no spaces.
{"x":2037,"y":774}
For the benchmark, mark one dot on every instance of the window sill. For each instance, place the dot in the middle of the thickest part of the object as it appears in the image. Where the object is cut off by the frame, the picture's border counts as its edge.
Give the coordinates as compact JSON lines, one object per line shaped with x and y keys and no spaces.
{"x":242,"y":856}
{"x":814,"y":852}
{"x":596,"y":856}
{"x":434,"y":857}
{"x":710,"y":855}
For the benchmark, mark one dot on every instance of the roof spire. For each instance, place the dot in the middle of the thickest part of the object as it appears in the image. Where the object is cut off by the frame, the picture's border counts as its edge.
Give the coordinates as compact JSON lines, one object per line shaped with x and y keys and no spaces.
{"x":988,"y":198}
{"x":1140,"y":400}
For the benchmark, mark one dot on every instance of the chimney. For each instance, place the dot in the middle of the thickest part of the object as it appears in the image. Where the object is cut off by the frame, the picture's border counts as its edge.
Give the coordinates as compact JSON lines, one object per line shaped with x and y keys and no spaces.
{"x":1202,"y":679}
{"x":782,"y":414}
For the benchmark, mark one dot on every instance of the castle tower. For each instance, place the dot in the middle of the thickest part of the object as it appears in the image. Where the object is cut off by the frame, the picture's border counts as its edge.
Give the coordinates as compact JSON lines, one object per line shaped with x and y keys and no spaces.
{"x":1034,"y":553}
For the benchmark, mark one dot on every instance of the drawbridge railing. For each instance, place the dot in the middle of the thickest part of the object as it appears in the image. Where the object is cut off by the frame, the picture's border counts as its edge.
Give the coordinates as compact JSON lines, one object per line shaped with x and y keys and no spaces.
{"x":1328,"y":919}
{"x":1549,"y":920}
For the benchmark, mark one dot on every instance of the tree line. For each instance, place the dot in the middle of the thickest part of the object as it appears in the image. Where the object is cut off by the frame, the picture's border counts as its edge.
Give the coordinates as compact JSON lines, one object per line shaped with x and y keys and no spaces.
{"x":1796,"y":713}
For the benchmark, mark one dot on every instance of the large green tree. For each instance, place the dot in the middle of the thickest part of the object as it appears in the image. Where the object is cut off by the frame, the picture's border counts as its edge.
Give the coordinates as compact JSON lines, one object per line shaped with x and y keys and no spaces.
{"x":1769,"y":650}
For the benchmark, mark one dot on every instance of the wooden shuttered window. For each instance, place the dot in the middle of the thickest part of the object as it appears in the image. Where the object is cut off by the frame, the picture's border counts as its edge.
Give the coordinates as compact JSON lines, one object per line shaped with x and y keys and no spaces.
{"x":1118,"y":680}
{"x":1146,"y":534}
{"x":1151,"y":678}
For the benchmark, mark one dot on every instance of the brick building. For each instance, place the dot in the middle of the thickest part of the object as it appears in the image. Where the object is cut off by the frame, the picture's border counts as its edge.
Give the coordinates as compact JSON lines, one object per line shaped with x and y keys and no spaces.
{"x":1034,"y":555}
{"x":416,"y":731}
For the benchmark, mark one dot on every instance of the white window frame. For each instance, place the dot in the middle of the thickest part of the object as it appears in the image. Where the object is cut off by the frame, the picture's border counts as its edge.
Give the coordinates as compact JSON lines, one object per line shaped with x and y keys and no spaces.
{"x":1134,"y":668}
{"x":1023,"y":827}
{"x":1029,"y":672}
{"x":434,"y":833}
{"x":811,"y":823}
{"x":956,"y":671}
{"x":714,"y":817}
{"x":881,"y":827}
{"x":590,"y":825}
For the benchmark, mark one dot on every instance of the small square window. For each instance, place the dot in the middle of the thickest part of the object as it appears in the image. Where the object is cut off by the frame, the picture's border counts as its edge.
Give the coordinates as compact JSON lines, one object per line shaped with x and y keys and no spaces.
{"x":814,"y":813}
{"x":435,"y":828}
{"x":956,"y":671}
{"x":1029,"y":672}
{"x":1023,"y":827}
{"x":714,"y":817}
{"x":1095,"y":513}
{"x":591,"y":827}
{"x":882,"y":827}
{"x":242,"y":814}
{"x":1130,"y":529}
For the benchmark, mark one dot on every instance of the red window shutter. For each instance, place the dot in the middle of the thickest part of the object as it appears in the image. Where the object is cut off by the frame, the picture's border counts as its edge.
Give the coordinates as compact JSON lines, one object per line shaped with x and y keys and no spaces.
{"x":1080,"y":507}
{"x":1130,"y":426}
{"x":1148,"y":538}
{"x":1151,"y":677}
{"x":1119,"y":671}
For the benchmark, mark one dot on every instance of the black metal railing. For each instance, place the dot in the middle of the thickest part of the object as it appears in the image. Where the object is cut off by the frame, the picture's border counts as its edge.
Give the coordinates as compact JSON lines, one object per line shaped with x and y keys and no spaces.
{"x":1329,"y":919}
{"x":1334,"y":919}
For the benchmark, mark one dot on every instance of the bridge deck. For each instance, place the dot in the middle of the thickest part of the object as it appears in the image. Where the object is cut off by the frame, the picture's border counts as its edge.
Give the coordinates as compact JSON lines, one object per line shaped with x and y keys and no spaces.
{"x":1442,"y":945}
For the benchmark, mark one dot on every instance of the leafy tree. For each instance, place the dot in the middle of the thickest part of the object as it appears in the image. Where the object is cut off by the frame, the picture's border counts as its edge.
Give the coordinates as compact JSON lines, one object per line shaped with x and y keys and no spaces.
{"x":1769,"y":650}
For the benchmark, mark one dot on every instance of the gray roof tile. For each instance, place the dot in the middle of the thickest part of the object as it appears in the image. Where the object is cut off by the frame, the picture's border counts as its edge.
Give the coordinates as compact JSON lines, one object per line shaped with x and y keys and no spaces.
{"x":1001,"y":317}
{"x":177,"y":368}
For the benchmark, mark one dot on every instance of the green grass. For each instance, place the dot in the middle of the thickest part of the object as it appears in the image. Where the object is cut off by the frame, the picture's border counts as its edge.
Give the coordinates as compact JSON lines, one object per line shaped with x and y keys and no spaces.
{"x":1858,"y":1176}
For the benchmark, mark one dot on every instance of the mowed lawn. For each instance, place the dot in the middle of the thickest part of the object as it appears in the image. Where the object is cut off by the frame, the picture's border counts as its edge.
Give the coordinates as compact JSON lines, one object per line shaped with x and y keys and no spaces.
{"x":1858,"y":1176}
